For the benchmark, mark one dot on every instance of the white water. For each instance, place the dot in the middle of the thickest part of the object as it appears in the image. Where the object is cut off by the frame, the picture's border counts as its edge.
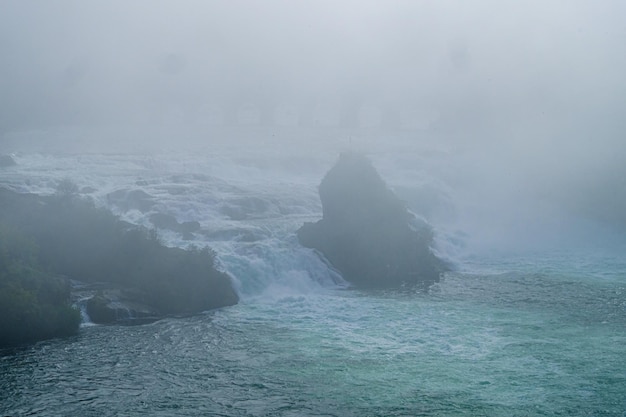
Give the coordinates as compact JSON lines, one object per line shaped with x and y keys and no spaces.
{"x":249,"y":200}
{"x":531,"y":323}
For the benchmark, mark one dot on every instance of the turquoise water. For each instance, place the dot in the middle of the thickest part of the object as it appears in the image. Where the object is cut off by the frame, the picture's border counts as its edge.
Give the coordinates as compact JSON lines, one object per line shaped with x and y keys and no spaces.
{"x":512,"y":332}
{"x":507,"y":344}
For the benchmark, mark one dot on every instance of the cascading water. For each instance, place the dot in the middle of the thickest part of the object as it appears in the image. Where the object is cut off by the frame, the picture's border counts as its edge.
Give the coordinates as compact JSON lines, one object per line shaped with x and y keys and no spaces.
{"x":531,"y":333}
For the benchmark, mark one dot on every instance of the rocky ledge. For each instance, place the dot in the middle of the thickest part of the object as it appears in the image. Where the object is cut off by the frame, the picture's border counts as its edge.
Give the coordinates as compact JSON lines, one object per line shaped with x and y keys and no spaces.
{"x":45,"y":241}
{"x":366,"y":231}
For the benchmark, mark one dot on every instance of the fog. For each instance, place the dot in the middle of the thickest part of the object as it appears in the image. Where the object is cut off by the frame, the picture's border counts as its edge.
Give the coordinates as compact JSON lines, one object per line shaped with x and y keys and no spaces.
{"x":530,"y":94}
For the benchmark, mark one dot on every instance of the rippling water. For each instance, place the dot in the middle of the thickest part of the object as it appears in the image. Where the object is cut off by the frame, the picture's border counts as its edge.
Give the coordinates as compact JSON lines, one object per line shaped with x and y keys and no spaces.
{"x":459,"y":350}
{"x":532,"y":335}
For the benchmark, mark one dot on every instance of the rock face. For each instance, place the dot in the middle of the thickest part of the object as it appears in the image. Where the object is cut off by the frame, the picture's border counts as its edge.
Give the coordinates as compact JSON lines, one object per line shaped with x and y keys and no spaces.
{"x":367,"y":233}
{"x":117,"y":306}
{"x":142,"y":279}
{"x":99,"y":310}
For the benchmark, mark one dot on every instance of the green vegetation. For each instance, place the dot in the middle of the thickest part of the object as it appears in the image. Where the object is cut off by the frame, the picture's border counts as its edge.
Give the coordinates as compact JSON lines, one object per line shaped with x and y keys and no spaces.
{"x":34,"y":305}
{"x":70,"y":237}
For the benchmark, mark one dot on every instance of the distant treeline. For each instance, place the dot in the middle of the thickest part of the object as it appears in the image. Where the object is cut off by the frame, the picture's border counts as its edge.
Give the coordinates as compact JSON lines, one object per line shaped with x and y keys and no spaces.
{"x":47,"y":240}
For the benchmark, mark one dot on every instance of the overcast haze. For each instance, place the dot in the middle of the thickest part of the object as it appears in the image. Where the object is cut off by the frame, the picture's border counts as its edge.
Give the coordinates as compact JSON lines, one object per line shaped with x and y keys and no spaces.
{"x":538,"y":85}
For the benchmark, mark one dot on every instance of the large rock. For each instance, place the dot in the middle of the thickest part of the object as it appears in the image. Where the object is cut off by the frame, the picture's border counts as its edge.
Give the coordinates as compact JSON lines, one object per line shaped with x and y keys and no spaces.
{"x":76,"y":240}
{"x":117,"y":306}
{"x":367,"y":233}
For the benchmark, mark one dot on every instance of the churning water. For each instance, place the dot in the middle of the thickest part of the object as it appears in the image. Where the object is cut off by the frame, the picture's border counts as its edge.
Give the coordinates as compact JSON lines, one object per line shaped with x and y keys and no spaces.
{"x":519,"y":333}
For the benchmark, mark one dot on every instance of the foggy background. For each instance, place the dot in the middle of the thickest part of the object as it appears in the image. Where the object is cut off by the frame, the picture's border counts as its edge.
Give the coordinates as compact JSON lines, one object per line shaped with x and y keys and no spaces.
{"x":529,"y":96}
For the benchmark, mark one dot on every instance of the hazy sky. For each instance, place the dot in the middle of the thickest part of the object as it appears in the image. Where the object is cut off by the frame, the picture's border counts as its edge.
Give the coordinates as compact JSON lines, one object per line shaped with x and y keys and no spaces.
{"x":499,"y":66}
{"x":535,"y":87}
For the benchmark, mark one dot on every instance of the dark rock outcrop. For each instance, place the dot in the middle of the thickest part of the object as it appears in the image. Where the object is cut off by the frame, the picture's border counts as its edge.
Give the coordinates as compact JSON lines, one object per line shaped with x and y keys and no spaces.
{"x":367,"y":233}
{"x":99,"y":310}
{"x":67,"y":236}
{"x":118,"y":306}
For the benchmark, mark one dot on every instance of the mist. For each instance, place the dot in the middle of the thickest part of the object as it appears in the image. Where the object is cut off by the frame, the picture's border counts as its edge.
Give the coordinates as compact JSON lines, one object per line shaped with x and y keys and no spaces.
{"x":527,"y":99}
{"x":312,"y":207}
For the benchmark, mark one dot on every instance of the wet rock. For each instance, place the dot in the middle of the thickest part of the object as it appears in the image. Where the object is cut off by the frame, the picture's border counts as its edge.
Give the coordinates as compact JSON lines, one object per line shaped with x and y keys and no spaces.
{"x":99,"y":310}
{"x":120,"y":307}
{"x":76,"y":240}
{"x":367,"y":233}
